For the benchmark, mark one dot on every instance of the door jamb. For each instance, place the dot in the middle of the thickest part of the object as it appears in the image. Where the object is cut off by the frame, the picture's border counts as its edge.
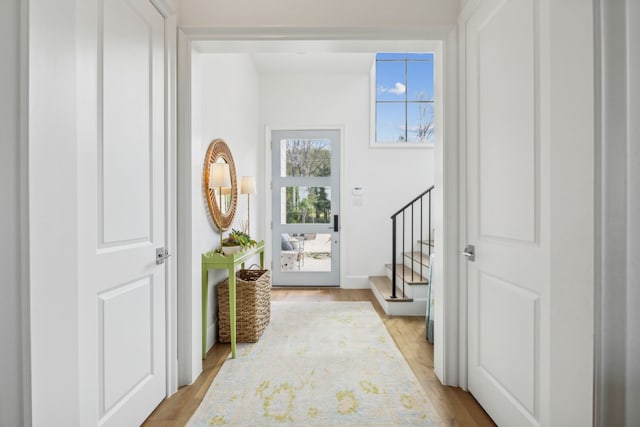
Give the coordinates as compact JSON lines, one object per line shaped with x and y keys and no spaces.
{"x":168,"y":11}
{"x":465,"y":14}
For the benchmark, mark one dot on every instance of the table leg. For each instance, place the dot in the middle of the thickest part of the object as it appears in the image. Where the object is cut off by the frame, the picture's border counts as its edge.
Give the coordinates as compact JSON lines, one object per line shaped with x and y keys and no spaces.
{"x":205,"y":304}
{"x":232,"y":309}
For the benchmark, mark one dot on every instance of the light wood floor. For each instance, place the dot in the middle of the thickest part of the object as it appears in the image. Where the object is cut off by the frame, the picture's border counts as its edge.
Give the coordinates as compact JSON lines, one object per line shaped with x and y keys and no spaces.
{"x":456,"y":407}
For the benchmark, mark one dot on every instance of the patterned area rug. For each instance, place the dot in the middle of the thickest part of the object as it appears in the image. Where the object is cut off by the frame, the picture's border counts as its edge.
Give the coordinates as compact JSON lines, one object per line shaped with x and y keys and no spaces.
{"x":318,"y":364}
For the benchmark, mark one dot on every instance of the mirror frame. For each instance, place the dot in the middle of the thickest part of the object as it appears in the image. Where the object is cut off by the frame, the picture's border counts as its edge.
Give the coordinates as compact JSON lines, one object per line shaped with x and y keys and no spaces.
{"x":219,"y":149}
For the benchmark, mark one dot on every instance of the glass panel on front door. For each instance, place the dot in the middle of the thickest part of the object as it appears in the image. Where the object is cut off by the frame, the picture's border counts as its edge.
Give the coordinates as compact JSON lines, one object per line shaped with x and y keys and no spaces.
{"x":305,"y":157}
{"x":310,"y":252}
{"x":305,"y":203}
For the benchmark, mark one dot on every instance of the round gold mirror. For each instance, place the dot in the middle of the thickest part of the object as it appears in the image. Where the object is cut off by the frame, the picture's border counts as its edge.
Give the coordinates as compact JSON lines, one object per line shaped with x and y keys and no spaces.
{"x":220,"y":184}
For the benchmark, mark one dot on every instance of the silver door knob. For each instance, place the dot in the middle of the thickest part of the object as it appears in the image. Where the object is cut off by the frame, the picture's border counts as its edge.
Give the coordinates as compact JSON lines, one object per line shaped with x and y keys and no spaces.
{"x":470,"y":252}
{"x":161,"y":255}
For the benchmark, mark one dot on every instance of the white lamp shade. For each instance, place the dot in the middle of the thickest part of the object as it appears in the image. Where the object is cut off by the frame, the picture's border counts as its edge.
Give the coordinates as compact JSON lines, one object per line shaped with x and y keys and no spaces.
{"x":248,"y":185}
{"x":219,"y":175}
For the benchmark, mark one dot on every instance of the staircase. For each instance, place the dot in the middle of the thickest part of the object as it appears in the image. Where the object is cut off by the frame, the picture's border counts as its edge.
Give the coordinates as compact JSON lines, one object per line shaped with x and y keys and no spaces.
{"x":404,"y":289}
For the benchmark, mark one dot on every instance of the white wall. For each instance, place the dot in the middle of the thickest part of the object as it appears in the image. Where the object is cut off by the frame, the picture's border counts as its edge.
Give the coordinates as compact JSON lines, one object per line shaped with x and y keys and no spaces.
{"x":463,"y":3}
{"x":633,"y":253}
{"x":571,"y":105}
{"x":225,"y":105}
{"x":390,"y":177}
{"x":52,"y":216}
{"x":14,"y":363}
{"x":619,"y":344}
{"x":310,"y":13}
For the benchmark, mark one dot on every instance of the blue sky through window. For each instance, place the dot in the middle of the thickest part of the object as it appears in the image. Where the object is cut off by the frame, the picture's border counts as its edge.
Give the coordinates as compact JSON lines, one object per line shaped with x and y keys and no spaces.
{"x":404,"y":97}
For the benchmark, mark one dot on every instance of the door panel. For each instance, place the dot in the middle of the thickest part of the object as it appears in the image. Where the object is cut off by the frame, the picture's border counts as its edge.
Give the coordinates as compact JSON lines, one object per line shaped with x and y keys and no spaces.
{"x":507,"y":281}
{"x":129,"y":205}
{"x":506,"y":119}
{"x":506,"y":330}
{"x":126,"y":344}
{"x":305,"y":203}
{"x":126,"y":143}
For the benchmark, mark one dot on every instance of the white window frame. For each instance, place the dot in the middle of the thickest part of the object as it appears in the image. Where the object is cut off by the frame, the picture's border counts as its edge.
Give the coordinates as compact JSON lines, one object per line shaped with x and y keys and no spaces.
{"x":429,"y":47}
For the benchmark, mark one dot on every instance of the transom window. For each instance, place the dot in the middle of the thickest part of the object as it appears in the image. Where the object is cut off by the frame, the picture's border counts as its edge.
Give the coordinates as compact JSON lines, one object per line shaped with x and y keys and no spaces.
{"x":404,"y":98}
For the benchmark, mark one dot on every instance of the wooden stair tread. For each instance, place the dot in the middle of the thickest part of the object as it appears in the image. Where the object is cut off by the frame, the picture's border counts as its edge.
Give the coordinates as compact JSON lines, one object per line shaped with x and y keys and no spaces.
{"x":418,"y":257}
{"x":416,"y":280}
{"x":426,"y":242}
{"x":384,"y":286}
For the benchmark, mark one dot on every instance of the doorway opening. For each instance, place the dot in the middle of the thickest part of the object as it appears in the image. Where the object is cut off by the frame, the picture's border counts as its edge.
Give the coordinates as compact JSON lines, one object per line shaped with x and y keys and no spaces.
{"x":283,"y":80}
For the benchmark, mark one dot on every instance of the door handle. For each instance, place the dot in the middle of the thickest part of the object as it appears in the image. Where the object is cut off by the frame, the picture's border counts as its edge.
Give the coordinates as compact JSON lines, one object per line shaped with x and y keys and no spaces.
{"x":470,"y":253}
{"x":161,"y":255}
{"x":336,"y":226}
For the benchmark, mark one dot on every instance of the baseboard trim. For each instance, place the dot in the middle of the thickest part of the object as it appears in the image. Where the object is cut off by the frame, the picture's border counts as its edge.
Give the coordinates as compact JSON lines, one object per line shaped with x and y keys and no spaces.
{"x":355,"y":282}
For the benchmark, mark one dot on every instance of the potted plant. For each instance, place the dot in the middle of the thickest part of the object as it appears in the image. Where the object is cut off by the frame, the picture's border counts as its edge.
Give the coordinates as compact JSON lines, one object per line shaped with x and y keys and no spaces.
{"x":236,"y":241}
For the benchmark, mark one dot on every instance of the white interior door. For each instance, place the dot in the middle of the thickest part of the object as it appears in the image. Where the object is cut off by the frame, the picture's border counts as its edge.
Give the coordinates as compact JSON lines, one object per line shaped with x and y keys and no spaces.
{"x":305,"y":207}
{"x":123,"y":224}
{"x":507,"y":282}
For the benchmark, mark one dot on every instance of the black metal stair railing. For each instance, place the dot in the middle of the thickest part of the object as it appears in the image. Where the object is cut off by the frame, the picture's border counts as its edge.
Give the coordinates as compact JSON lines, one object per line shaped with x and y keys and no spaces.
{"x":394,"y":224}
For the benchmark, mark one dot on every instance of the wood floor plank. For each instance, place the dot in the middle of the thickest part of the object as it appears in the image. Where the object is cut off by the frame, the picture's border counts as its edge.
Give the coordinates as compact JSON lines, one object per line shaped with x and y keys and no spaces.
{"x":385,"y":289}
{"x":455,"y":406}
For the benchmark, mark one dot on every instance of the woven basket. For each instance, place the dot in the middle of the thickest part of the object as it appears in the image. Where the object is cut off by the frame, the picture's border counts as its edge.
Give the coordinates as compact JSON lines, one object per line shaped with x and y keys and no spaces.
{"x":253,"y":305}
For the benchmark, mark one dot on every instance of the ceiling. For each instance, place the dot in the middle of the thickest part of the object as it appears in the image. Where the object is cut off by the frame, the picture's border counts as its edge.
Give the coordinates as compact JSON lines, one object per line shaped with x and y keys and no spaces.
{"x":313,"y":62}
{"x":312,"y":56}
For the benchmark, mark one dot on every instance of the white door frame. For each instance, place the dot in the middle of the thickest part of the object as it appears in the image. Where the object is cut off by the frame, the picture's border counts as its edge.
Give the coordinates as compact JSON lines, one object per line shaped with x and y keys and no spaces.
{"x":450,"y":358}
{"x":168,"y":10}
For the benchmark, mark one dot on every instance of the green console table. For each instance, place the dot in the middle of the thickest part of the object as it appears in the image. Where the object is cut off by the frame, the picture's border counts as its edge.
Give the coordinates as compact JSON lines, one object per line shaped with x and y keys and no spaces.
{"x":214,"y":260}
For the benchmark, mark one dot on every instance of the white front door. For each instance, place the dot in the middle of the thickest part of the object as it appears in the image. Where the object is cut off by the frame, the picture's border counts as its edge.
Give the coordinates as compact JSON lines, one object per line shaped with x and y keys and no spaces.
{"x":122,"y":213}
{"x":305,"y":207}
{"x":506,"y":218}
